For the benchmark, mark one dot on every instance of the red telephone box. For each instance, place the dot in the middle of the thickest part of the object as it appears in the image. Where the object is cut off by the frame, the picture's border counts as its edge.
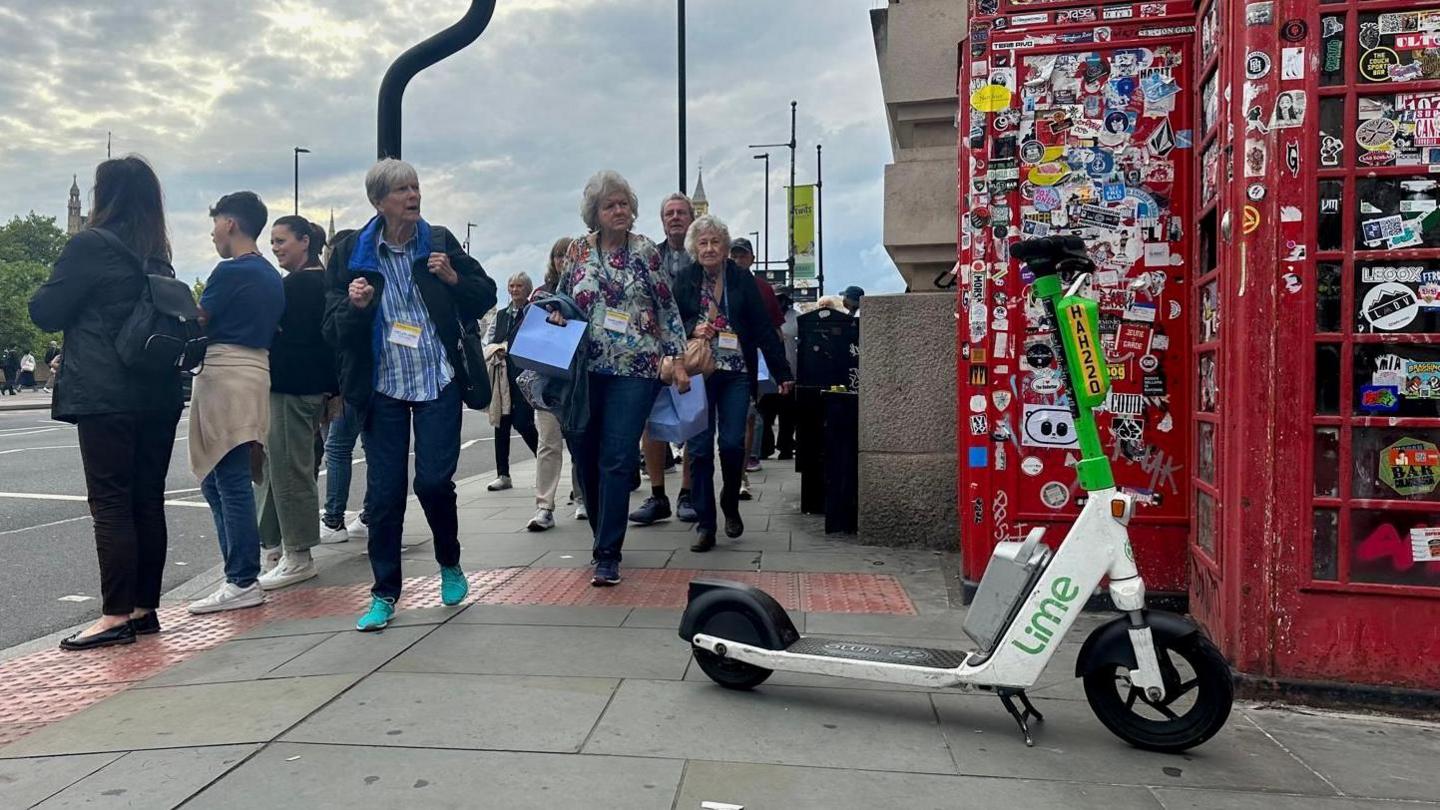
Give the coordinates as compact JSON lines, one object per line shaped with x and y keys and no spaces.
{"x":1079,"y":120}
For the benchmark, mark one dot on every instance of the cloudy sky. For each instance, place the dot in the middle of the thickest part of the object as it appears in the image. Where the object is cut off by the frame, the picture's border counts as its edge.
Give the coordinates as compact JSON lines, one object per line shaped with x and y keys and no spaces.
{"x":504,"y":134}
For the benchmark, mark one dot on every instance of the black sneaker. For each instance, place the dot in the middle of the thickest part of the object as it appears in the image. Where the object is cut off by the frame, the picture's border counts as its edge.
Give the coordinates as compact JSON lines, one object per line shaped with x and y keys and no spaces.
{"x":734,"y":526}
{"x":654,"y":509}
{"x":684,"y":509}
{"x":704,"y":543}
{"x":607,"y":573}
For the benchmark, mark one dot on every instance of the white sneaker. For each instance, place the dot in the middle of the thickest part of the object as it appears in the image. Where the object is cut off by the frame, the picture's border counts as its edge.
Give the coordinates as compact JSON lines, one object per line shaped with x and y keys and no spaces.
{"x":229,"y":597}
{"x":503,"y":482}
{"x":296,"y":567}
{"x":339,"y":534}
{"x":544,"y":519}
{"x":270,"y":557}
{"x":357,"y":530}
{"x":580,"y":513}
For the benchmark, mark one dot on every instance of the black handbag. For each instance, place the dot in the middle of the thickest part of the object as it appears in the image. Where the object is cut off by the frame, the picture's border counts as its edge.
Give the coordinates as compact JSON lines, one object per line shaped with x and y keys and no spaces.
{"x":476,"y":393}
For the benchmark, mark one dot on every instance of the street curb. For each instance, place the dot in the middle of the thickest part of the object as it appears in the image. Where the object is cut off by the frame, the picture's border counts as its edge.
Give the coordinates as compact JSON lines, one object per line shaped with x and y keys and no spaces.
{"x":26,"y":406}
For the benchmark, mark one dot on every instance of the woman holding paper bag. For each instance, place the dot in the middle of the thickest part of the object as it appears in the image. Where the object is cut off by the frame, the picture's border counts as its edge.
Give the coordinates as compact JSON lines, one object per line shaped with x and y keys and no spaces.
{"x":720,"y":303}
{"x":635,"y":339}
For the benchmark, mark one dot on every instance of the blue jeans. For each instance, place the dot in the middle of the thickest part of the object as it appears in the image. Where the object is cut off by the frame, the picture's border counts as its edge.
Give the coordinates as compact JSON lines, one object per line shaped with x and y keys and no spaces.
{"x":231,"y":496}
{"x":437,"y":452}
{"x":605,"y":454}
{"x":729,"y":395}
{"x":339,"y":459}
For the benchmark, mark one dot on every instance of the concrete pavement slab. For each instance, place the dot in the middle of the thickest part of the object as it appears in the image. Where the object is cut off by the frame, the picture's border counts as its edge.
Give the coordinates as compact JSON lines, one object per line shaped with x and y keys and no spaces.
{"x":346,"y":623}
{"x":292,"y":775}
{"x":600,"y":652}
{"x":797,"y":788}
{"x":720,"y":559}
{"x":184,"y":716}
{"x":1361,"y":756}
{"x":235,"y":661}
{"x":862,"y":561}
{"x":1072,"y":746}
{"x":580,"y":558}
{"x":775,"y":725}
{"x":751,"y":540}
{"x":150,"y":779}
{"x":24,"y":782}
{"x":1172,"y":799}
{"x":501,"y":712}
{"x":351,"y":652}
{"x":555,"y":615}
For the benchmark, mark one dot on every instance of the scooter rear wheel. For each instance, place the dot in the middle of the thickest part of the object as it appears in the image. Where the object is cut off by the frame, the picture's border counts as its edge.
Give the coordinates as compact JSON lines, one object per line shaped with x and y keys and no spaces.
{"x":1198,"y":694}
{"x":730,"y":673}
{"x":729,"y":622}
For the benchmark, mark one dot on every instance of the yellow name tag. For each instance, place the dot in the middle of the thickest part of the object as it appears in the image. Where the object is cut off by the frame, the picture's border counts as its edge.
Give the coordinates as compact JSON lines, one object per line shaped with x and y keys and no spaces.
{"x":405,"y":334}
{"x":730,"y":341}
{"x":616,"y":321}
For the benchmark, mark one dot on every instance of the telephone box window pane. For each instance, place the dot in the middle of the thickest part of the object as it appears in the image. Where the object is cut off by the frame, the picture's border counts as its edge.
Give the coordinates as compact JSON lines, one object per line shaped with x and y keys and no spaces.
{"x":1397,"y":297}
{"x":1394,"y":47}
{"x":1329,"y":233}
{"x":1327,"y":297}
{"x":1394,"y":212}
{"x":1397,"y":380}
{"x":1210,"y":312}
{"x":1210,"y":102}
{"x":1326,"y":462}
{"x":1207,"y":392}
{"x":1327,"y":379}
{"x":1205,"y":521}
{"x":1395,"y":547}
{"x":1325,"y":546}
{"x":1205,"y":452}
{"x":1332,"y":49}
{"x":1399,"y":464}
{"x":1332,"y":131}
{"x":1395,"y":129}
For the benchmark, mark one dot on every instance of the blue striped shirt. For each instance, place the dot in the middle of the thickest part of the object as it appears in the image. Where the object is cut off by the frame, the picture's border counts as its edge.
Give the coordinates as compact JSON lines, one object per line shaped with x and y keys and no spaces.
{"x":413,"y":375}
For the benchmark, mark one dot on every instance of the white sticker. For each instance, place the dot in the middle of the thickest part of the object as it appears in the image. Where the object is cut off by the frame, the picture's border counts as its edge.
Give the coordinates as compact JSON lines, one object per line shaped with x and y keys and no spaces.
{"x":1292,"y":63}
{"x":1390,"y":306}
{"x":1032,"y":465}
{"x":1157,"y":254}
{"x":1290,"y":213}
{"x":977,"y":403}
{"x":1047,"y":426}
{"x":1001,"y":399}
{"x":1055,"y":495}
{"x":1125,"y":404}
{"x":1425,"y":544}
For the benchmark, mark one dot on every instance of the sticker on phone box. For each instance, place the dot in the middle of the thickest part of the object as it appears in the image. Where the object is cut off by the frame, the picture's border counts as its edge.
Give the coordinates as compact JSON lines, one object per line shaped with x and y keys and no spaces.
{"x":1379,"y":398}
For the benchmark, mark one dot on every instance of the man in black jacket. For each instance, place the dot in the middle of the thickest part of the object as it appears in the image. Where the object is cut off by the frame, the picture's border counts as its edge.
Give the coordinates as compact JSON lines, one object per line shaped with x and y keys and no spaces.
{"x":398,"y":292}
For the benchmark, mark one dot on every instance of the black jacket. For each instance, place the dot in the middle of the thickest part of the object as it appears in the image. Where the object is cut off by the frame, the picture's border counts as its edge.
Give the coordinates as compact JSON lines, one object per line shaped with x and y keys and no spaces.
{"x":91,"y":292}
{"x":352,"y":331}
{"x":747,"y":314}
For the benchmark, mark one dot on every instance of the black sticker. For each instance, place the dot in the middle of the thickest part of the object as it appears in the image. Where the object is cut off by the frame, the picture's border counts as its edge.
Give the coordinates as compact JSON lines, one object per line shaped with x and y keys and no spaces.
{"x":1040,"y":355}
{"x":1294,"y":30}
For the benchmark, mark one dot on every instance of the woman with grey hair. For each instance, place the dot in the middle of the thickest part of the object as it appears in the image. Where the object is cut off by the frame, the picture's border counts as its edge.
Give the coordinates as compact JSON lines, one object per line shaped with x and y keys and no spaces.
{"x":636,"y":340}
{"x":719,"y":302}
{"x":519,"y":416}
{"x":398,"y":291}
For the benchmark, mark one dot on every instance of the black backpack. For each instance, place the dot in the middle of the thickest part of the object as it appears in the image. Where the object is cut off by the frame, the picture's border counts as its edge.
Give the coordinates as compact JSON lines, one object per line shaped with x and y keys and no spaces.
{"x":163,"y":332}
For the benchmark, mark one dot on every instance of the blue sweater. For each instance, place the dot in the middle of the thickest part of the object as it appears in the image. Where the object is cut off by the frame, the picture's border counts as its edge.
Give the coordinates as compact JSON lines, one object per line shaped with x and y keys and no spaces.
{"x":245,"y":298}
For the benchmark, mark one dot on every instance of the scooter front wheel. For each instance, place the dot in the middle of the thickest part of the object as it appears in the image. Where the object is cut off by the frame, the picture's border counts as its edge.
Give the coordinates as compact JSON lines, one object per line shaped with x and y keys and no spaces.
{"x":1198,"y":694}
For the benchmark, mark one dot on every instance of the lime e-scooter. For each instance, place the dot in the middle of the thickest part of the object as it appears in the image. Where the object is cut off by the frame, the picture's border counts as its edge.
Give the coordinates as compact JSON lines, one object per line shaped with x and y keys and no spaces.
{"x":1151,"y":677}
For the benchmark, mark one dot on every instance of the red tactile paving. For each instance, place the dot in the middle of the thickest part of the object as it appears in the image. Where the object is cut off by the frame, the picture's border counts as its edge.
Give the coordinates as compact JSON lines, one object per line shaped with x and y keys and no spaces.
{"x":48,"y":686}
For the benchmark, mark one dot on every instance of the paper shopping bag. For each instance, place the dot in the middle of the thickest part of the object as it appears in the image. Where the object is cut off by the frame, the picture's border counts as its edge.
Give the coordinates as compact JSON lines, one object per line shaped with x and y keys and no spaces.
{"x":544,"y":348}
{"x":677,"y":417}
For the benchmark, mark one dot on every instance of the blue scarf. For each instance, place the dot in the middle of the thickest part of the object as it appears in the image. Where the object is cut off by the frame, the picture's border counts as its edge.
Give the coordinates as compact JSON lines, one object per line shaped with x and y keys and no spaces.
{"x":364,"y":257}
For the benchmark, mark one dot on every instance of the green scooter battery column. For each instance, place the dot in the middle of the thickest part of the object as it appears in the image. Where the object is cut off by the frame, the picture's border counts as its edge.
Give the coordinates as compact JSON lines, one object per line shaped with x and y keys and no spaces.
{"x":1078,"y":320}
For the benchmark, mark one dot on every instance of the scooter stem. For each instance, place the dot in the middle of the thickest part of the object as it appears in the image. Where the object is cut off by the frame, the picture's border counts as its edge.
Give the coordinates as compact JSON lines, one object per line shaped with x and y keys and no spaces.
{"x":1083,"y":357}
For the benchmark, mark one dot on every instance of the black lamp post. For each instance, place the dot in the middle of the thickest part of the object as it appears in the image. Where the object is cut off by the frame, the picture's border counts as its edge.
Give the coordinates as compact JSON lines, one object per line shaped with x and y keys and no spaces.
{"x":680,"y":37}
{"x":766,"y":157}
{"x":427,"y":53}
{"x":790,"y":214}
{"x":298,"y":151}
{"x":469,"y":226}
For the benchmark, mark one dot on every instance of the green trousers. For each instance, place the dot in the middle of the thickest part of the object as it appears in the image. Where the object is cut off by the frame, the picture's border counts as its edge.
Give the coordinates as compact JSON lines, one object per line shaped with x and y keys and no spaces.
{"x":288,"y":497}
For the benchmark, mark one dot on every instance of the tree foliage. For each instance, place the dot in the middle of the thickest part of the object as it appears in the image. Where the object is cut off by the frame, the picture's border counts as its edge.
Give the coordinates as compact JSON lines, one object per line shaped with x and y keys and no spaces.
{"x":28,"y":248}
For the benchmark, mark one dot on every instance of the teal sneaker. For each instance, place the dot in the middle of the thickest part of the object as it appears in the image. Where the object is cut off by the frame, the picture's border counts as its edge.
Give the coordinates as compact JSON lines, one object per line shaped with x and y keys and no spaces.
{"x":453,"y":585}
{"x":378,"y":616}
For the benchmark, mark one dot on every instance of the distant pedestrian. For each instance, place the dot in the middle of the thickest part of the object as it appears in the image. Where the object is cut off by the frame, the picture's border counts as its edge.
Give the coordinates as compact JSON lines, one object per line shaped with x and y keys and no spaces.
{"x":339,"y":438}
{"x":10,"y":362}
{"x":505,"y":394}
{"x":302,"y":374}
{"x":676,"y":214}
{"x":720,"y":303}
{"x":242,"y":304}
{"x":398,"y":291}
{"x":125,"y":420}
{"x":27,"y":371}
{"x":52,"y":352}
{"x":851,"y":299}
{"x":635,"y":338}
{"x":743,"y":254}
{"x":550,"y":455}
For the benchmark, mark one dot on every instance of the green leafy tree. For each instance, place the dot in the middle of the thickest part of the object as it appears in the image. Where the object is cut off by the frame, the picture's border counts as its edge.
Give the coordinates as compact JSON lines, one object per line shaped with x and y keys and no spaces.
{"x":28,"y":248}
{"x":198,"y":290}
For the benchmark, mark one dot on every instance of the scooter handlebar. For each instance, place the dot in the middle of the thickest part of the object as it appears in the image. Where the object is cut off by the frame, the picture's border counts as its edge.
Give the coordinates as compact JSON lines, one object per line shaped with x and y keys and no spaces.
{"x":1050,"y":255}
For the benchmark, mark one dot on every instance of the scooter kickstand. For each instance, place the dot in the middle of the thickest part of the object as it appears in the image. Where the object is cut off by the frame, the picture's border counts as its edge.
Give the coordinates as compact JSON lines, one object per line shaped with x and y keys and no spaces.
{"x":1021,"y":717}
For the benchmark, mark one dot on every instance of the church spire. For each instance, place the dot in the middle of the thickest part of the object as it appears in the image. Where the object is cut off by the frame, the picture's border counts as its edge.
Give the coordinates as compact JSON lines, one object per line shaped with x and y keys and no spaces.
{"x":74,"y":221}
{"x":698,"y":199}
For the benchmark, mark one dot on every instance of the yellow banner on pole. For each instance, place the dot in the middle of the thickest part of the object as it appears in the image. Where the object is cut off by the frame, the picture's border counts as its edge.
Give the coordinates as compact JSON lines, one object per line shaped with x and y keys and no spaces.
{"x":806,"y":267}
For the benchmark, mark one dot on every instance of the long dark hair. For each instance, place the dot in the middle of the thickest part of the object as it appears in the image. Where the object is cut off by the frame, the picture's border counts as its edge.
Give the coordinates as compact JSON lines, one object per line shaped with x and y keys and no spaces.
{"x":305,"y":229}
{"x":127,"y":201}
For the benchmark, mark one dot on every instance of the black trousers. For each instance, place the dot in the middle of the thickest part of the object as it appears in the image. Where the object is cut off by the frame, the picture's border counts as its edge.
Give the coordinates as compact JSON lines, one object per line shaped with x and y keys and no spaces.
{"x":522,"y":419}
{"x":126,"y":457}
{"x":773,"y":408}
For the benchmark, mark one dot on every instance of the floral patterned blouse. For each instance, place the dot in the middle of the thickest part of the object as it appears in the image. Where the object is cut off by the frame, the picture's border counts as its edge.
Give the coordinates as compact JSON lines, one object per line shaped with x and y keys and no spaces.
{"x":634,"y":320}
{"x":725,"y":359}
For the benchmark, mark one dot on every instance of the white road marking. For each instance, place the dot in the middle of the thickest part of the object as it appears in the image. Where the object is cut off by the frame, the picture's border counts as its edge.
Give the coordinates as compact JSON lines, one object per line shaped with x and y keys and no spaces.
{"x":45,"y":525}
{"x":15,"y":433}
{"x":31,"y":449}
{"x":45,"y":496}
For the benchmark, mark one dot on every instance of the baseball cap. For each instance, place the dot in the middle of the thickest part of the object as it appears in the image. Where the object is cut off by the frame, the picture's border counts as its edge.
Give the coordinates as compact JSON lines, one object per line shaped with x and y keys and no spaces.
{"x":853,"y":292}
{"x":741,"y":243}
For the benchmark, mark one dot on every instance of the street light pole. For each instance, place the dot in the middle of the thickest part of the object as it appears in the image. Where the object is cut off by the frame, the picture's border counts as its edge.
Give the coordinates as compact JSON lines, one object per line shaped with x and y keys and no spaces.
{"x":680,"y":32}
{"x":468,"y":227}
{"x":298,"y":151}
{"x":819,"y":224}
{"x":790,"y":215}
{"x":767,"y":210}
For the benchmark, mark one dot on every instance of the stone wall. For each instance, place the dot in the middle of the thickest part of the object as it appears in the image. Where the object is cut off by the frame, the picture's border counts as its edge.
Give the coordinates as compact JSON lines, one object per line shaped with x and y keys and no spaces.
{"x":907,"y":421}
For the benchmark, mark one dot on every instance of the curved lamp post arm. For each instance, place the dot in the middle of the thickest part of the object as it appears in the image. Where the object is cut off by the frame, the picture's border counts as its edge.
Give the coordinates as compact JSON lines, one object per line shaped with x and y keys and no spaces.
{"x":432,"y":50}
